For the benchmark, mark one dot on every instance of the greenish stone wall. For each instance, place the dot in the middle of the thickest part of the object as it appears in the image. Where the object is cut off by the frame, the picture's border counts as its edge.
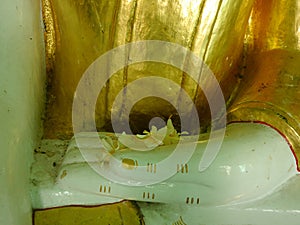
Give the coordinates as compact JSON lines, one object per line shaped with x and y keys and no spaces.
{"x":22,"y":76}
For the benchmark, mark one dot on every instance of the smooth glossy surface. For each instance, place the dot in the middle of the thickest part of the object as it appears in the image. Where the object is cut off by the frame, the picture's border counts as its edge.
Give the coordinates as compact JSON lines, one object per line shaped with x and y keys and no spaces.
{"x":44,"y":192}
{"x":214,"y":30}
{"x":274,"y":25}
{"x":269,"y":90}
{"x":281,"y":207}
{"x":253,"y":162}
{"x":270,"y":93}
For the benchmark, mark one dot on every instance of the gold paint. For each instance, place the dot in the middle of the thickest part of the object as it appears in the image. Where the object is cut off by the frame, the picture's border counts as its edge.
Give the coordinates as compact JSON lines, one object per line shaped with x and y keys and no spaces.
{"x":212,"y":29}
{"x":179,"y":222}
{"x":63,"y":174}
{"x":269,"y":91}
{"x":129,"y":163}
{"x":262,"y":35}
{"x":274,"y":24}
{"x":49,"y":34}
{"x":125,"y":212}
{"x":225,"y":34}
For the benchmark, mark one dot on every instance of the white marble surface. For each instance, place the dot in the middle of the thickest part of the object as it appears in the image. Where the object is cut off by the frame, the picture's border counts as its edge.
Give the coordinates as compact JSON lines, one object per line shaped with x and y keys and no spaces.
{"x":250,"y":182}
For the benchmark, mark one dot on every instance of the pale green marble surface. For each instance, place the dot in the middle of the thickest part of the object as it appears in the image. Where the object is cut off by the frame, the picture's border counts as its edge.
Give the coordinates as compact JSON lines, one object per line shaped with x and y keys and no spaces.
{"x":22,"y":78}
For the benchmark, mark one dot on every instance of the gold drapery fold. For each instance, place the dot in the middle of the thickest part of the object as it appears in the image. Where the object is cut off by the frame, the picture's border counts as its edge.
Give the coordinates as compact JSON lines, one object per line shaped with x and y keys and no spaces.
{"x":213,"y":29}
